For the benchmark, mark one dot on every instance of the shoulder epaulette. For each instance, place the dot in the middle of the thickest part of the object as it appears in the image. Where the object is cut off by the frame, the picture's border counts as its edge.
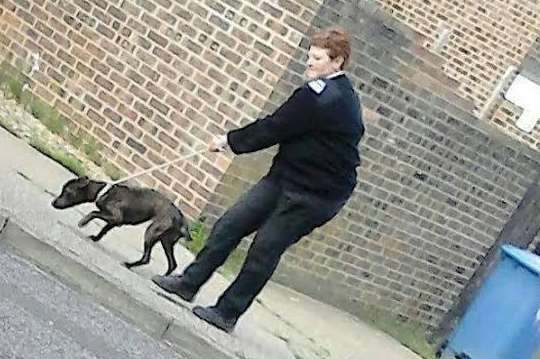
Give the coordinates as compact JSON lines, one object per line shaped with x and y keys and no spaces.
{"x":317,"y":86}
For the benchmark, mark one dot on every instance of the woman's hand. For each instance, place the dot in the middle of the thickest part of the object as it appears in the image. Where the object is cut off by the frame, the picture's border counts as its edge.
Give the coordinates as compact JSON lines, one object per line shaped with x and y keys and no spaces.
{"x":219,"y":144}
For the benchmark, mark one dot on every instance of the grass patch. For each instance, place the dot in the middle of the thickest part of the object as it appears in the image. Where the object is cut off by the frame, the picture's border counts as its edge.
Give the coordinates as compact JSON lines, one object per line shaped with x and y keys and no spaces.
{"x":410,"y":334}
{"x":65,"y":159}
{"x":12,"y":82}
{"x":112,"y":171}
{"x":47,"y":115}
{"x":74,"y":139}
{"x":8,"y":126}
{"x":92,"y":149}
{"x":199,"y":236}
{"x":15,"y":87}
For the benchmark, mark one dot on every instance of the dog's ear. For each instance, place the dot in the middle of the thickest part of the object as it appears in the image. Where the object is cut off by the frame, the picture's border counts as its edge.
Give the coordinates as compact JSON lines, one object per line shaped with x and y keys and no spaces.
{"x":83,"y":181}
{"x":94,"y":187}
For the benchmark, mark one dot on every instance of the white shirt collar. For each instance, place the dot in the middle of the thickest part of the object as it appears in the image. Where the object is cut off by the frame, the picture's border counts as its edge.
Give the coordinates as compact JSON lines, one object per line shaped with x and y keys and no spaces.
{"x":335,"y":74}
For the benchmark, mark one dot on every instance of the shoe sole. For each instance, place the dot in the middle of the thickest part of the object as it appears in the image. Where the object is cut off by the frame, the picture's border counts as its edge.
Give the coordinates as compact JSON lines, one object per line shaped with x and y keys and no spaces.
{"x":190,"y":300}
{"x":202,"y":317}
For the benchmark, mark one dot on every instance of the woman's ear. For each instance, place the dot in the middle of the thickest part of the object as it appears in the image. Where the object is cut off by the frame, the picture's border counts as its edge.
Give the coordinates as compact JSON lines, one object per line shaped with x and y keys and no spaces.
{"x":338,"y":62}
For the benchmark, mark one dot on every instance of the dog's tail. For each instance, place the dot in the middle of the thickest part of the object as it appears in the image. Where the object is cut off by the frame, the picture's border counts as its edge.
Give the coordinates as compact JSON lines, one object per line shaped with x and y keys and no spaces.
{"x":186,"y":233}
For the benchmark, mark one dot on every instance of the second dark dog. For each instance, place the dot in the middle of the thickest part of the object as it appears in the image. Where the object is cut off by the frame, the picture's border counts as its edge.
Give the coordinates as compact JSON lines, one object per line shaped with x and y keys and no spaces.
{"x":122,"y":205}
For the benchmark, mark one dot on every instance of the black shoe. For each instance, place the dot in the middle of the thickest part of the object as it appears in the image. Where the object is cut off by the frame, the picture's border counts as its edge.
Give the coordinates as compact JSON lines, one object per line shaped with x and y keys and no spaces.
{"x":175,"y":285}
{"x":212,"y":316}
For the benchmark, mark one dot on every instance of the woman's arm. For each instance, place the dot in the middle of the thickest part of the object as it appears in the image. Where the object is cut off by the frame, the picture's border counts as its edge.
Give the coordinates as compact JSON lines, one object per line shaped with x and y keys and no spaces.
{"x":295,"y":117}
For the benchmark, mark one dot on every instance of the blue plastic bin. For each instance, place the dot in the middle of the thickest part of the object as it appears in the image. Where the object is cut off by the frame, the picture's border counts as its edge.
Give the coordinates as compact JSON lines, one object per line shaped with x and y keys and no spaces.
{"x":503,"y":322}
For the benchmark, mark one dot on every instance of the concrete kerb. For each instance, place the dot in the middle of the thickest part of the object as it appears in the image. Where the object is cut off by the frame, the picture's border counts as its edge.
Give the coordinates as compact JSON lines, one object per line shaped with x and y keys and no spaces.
{"x":59,"y":263}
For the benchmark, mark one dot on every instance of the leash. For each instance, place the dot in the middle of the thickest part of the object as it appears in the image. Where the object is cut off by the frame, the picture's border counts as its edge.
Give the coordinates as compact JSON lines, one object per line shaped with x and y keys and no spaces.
{"x":183,"y":158}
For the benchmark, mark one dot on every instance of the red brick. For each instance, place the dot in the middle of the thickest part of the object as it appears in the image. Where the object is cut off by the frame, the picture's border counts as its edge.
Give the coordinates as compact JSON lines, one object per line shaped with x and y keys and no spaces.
{"x":94,"y":103}
{"x":26,"y":16}
{"x":168,"y":140}
{"x":167,"y":17}
{"x":140,"y":148}
{"x":132,"y":129}
{"x":95,"y":50}
{"x":39,"y":13}
{"x":105,"y":31}
{"x":96,"y":117}
{"x":152,"y":143}
{"x":107,"y":98}
{"x":139,"y":92}
{"x":115,"y":64}
{"x":149,"y":126}
{"x":85,"y":5}
{"x":157,"y":91}
{"x":126,"y":100}
{"x":117,"y":13}
{"x":76,"y":104}
{"x":64,"y":56}
{"x":174,"y":103}
{"x":53,"y":9}
{"x":160,"y":107}
{"x":128,"y":112}
{"x":85,"y":70}
{"x":102,"y":16}
{"x":163,"y":55}
{"x":143,"y":110}
{"x":102,"y":135}
{"x":78,"y":39}
{"x":149,"y":73}
{"x":103,"y":82}
{"x":130,"y":8}
{"x":183,"y":192}
{"x":63,"y":108}
{"x":55,"y":75}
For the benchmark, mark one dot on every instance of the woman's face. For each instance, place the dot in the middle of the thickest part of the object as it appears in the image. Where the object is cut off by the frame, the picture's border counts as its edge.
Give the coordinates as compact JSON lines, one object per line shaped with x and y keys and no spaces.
{"x":319,"y":63}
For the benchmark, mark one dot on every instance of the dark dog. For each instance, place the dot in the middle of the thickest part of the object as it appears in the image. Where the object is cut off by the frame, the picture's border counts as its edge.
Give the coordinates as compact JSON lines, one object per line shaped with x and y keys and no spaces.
{"x":123,"y":205}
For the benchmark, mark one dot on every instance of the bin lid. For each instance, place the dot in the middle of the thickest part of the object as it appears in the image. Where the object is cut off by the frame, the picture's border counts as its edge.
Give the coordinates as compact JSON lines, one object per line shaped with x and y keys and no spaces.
{"x":527,"y":259}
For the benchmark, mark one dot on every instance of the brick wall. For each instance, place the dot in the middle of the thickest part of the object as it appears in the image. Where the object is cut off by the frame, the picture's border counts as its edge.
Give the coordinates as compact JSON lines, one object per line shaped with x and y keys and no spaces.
{"x":484,"y":38}
{"x":153,"y":79}
{"x":505,"y":116}
{"x":436,"y":184}
{"x":506,"y":113}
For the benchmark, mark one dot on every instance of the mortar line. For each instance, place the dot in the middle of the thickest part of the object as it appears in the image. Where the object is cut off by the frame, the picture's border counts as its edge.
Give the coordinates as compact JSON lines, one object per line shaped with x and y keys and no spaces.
{"x":167,"y":327}
{"x":3,"y":224}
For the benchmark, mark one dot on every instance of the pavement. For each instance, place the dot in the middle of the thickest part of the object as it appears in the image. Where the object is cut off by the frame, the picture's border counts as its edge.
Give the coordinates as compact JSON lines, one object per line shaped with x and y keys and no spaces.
{"x":42,"y":318}
{"x":281,"y":324}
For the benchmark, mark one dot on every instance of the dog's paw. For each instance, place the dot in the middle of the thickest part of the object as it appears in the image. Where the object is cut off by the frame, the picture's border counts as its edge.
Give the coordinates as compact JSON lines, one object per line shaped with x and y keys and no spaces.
{"x":127,"y":265}
{"x":93,"y":238}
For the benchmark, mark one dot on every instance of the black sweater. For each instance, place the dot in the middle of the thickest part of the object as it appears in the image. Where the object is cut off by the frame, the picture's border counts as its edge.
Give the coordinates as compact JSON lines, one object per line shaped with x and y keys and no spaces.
{"x":318,"y":130}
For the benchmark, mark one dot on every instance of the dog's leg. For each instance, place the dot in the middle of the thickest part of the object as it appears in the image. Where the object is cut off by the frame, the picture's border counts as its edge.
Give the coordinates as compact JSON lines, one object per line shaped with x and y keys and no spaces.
{"x":168,"y":241}
{"x":109,"y":218}
{"x":151,"y":237}
{"x":103,"y":232}
{"x":86,"y":219}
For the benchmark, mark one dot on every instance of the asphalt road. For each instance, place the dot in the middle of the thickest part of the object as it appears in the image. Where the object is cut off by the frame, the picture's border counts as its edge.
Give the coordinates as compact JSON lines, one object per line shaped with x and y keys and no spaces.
{"x":41,"y":318}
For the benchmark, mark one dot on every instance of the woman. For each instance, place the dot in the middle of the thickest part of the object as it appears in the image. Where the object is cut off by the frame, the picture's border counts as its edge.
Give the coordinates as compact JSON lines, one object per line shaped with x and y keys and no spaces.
{"x":312,"y":176}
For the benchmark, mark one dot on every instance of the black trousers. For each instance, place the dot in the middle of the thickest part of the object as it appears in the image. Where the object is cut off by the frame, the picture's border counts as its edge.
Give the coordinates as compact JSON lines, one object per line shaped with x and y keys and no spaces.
{"x":280,"y":217}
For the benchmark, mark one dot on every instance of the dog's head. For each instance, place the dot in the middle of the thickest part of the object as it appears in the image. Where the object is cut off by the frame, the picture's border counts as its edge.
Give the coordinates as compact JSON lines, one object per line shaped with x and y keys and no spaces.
{"x":77,"y":191}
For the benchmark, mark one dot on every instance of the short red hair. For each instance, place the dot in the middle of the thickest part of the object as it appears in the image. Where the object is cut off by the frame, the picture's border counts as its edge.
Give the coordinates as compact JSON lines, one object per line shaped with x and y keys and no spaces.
{"x":336,"y":40}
